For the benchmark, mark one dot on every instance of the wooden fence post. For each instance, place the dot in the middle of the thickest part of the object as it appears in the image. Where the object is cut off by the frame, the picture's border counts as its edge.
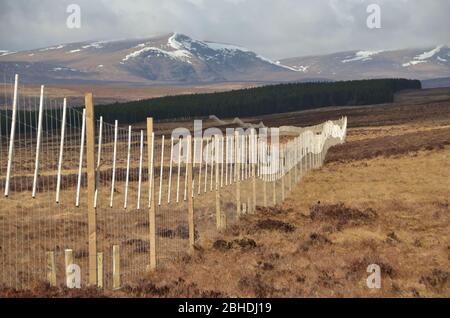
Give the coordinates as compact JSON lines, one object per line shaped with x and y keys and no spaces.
{"x":189,"y":176}
{"x":151,"y":186}
{"x":264,"y":192}
{"x":116,"y":267}
{"x":91,"y":188}
{"x":51,"y":270}
{"x":100,"y":270}
{"x":68,"y":261}
{"x":274,"y":184}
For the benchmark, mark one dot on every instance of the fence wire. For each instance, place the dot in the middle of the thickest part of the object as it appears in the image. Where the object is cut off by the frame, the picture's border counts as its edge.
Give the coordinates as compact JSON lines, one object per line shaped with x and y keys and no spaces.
{"x":43,"y":184}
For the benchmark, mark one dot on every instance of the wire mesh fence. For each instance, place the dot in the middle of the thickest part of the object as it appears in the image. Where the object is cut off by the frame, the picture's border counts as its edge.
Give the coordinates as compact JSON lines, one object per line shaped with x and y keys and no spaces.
{"x":154,"y":196}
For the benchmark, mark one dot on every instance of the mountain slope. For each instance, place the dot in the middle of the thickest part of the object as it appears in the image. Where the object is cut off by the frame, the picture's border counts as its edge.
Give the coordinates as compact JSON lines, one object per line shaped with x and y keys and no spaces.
{"x":172,"y":58}
{"x":410,"y":63}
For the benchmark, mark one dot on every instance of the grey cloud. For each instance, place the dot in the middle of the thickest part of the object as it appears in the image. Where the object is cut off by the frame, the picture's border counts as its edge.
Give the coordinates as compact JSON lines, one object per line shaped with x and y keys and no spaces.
{"x":274,"y":28}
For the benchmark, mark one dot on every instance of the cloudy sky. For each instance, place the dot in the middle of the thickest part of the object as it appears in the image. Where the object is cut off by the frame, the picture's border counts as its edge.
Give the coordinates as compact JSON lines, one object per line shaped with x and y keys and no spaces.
{"x":274,"y":28}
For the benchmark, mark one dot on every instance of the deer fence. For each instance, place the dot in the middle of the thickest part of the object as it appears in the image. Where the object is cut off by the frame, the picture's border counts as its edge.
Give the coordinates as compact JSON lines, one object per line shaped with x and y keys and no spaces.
{"x":89,"y":203}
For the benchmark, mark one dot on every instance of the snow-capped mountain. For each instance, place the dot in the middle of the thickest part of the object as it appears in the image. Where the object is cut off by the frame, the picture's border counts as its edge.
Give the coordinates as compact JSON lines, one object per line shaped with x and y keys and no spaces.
{"x":174,"y":58}
{"x":421,"y":64}
{"x":177,"y":58}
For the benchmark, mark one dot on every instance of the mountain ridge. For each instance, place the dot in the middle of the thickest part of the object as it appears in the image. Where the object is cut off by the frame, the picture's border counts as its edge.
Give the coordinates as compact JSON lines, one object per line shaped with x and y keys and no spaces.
{"x":179,"y":59}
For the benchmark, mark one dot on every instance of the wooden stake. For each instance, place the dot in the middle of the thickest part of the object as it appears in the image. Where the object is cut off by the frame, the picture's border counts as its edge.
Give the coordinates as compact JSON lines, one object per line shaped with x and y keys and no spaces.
{"x":264,"y":192}
{"x":100,"y":270}
{"x":151,"y":185}
{"x":51,"y":270}
{"x":274,"y":191}
{"x":91,"y":188}
{"x":68,"y":260}
{"x":283,"y":173}
{"x":116,"y":267}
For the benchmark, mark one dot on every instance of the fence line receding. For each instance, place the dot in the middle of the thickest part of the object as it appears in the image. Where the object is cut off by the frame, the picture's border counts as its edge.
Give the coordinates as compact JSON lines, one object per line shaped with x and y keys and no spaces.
{"x":87,"y":202}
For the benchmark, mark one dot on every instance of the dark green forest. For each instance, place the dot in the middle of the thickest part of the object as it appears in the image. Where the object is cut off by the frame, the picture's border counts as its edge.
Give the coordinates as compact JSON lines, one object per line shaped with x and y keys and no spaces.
{"x":259,"y":101}
{"x":238,"y":103}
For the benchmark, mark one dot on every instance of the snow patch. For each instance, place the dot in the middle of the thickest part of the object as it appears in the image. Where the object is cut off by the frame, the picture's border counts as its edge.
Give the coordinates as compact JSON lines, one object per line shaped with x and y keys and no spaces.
{"x":4,"y":53}
{"x":424,"y":57}
{"x":278,"y":63}
{"x":412,"y":63}
{"x":228,"y":47}
{"x":136,"y":53}
{"x":176,"y":55}
{"x":362,"y":56}
{"x":58,"y":47}
{"x":95,"y":45}
{"x":429,"y":54}
{"x":299,"y":68}
{"x":60,"y":69}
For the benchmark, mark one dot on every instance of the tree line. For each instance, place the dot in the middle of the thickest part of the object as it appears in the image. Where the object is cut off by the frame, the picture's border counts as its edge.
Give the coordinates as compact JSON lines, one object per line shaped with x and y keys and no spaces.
{"x":259,"y":101}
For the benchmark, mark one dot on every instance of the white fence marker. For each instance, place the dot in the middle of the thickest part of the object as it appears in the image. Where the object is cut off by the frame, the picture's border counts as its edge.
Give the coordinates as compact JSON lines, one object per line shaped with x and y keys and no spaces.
{"x":161,"y":171}
{"x":200,"y":167}
{"x":206,"y":164}
{"x":141,"y":161}
{"x":38,"y":142}
{"x":179,"y":170}
{"x":61,"y":149}
{"x":80,"y":166}
{"x":150,"y":173}
{"x":127,"y":180}
{"x":113,"y":177}
{"x":169,"y":191}
{"x":186,"y":155}
{"x":11,"y":136}
{"x":99,"y":157}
